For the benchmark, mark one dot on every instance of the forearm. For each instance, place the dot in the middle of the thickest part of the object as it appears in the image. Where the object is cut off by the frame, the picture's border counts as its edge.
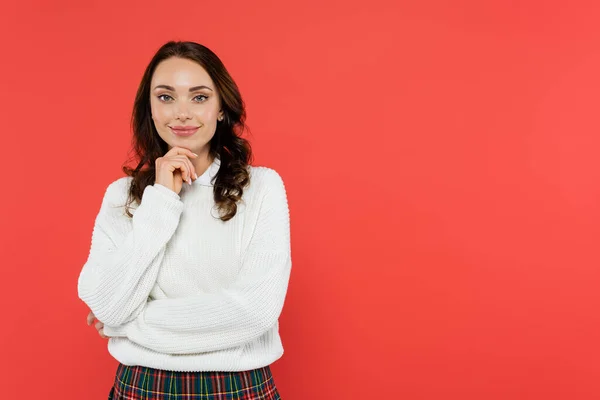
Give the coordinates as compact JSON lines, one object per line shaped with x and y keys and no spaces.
{"x":214,"y":321}
{"x":120,"y":272}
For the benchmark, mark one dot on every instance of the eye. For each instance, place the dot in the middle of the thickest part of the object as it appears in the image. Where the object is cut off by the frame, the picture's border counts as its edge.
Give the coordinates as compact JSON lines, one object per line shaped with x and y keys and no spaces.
{"x":161,"y":97}
{"x":197,"y":98}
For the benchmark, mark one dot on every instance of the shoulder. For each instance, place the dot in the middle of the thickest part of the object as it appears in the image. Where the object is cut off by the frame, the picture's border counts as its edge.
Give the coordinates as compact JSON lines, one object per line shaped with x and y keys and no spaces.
{"x":267,"y":194}
{"x":265,"y":180}
{"x":117,"y":192}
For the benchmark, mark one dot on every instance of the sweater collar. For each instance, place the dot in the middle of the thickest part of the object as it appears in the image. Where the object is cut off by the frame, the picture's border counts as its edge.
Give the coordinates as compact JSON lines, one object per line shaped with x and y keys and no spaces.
{"x":206,"y":179}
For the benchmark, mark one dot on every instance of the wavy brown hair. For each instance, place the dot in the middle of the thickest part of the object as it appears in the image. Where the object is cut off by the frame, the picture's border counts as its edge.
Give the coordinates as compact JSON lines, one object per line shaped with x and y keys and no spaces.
{"x":227,"y":144}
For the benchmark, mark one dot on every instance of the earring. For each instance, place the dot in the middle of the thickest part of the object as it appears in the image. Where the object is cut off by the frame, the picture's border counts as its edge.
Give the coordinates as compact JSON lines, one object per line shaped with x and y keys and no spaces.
{"x":220,"y":118}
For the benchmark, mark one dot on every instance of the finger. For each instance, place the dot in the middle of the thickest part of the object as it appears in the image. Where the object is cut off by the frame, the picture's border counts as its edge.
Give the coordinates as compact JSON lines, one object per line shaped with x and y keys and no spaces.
{"x":191,"y":168}
{"x":188,"y":176}
{"x":102,"y":335}
{"x":183,"y":166}
{"x":99,"y":325}
{"x":181,"y":150}
{"x":194,"y":171}
{"x":90,"y":318}
{"x":193,"y":174}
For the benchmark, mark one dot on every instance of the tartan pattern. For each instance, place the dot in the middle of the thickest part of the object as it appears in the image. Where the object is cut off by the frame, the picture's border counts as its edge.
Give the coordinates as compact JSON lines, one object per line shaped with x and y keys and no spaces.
{"x":143,"y":383}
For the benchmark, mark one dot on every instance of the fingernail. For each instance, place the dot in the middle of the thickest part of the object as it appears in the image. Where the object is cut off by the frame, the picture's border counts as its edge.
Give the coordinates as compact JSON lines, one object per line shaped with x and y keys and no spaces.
{"x":195,"y":175}
{"x":189,"y":181}
{"x":195,"y":154}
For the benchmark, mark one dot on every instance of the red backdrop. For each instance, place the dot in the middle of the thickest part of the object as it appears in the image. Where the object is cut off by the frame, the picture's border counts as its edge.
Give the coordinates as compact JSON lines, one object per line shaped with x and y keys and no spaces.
{"x":443,"y":178}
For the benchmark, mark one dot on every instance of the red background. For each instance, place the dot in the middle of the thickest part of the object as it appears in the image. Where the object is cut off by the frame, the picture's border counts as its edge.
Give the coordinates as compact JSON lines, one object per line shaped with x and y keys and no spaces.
{"x":441,"y":160}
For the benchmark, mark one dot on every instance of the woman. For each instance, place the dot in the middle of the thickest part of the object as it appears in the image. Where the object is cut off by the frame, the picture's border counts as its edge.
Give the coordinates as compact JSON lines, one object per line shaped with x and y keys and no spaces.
{"x":190,"y":256}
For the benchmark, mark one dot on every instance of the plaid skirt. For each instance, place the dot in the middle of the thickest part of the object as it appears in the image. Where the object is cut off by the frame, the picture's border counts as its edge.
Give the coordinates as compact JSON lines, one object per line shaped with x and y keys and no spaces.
{"x":143,"y":383}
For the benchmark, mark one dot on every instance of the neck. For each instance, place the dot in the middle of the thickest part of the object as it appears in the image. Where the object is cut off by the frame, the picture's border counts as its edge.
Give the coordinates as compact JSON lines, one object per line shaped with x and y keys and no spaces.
{"x":202,"y":162}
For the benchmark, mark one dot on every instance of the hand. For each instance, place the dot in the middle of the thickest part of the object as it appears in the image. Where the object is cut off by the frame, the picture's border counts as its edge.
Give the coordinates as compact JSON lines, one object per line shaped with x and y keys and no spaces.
{"x":99,"y":325}
{"x":175,"y":167}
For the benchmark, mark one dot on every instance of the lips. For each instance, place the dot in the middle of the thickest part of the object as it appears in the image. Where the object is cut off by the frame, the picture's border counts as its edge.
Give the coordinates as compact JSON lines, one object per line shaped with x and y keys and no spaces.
{"x":184,"y":130}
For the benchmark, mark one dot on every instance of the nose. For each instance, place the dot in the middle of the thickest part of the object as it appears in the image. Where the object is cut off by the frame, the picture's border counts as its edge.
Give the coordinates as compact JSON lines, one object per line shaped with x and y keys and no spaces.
{"x":182,"y":111}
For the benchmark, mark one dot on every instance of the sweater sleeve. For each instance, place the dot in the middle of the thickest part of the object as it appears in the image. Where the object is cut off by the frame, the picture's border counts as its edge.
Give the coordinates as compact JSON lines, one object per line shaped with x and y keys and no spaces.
{"x":126,"y":253}
{"x":235,"y":315}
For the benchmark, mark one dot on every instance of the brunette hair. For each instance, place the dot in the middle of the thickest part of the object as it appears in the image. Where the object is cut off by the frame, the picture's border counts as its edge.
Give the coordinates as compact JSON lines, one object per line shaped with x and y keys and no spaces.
{"x":228,"y":145}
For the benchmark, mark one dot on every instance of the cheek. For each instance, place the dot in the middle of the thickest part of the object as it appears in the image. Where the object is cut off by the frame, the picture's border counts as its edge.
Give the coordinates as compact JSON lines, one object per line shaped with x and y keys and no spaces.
{"x":160,"y":114}
{"x":206,"y":114}
{"x":202,"y":114}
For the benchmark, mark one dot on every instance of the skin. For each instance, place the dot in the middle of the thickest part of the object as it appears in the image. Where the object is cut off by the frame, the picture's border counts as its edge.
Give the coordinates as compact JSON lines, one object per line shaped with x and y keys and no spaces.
{"x":182,"y":94}
{"x":98,"y":325}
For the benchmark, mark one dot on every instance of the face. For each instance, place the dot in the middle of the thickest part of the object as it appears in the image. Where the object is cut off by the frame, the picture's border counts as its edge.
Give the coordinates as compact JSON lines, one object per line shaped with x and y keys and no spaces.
{"x":185,"y":104}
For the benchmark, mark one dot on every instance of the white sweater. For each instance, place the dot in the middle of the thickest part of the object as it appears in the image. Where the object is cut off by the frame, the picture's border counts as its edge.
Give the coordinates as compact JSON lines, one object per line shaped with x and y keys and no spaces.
{"x":181,"y":290}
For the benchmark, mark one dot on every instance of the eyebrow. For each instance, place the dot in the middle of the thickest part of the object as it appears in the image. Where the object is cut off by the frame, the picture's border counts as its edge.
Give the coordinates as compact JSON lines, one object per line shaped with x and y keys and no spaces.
{"x":192,"y":89}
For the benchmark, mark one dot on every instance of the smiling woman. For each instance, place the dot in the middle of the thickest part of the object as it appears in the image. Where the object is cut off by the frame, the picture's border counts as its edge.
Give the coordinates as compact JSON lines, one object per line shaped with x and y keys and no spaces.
{"x":184,"y":110}
{"x":187,"y":287}
{"x":188,"y":99}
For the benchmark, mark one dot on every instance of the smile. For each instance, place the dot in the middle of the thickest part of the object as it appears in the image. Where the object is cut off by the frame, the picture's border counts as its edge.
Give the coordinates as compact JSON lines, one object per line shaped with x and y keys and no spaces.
{"x":184,"y":130}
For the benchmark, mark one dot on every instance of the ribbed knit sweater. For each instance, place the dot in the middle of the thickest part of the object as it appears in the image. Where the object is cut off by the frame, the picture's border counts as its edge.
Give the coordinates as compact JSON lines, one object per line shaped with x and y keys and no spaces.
{"x":179,"y":289}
